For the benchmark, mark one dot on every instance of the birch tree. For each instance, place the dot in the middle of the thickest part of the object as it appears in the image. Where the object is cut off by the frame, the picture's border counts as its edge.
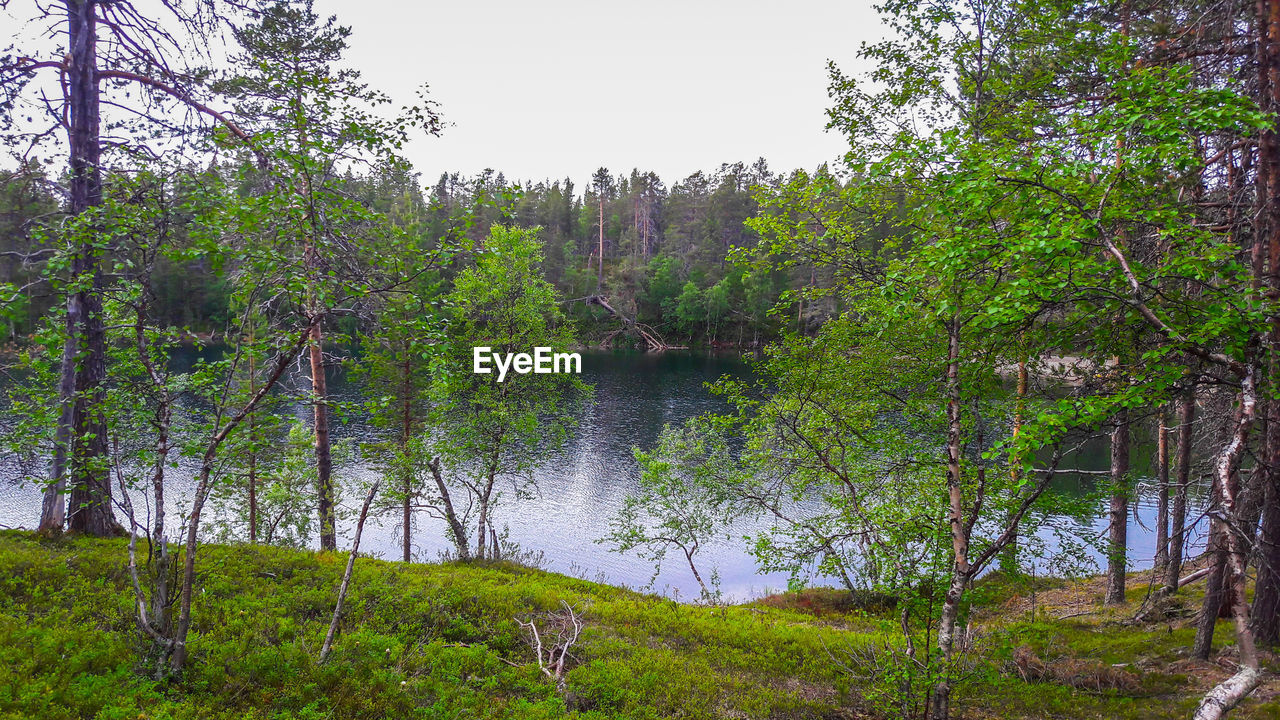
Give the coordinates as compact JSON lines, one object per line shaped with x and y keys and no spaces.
{"x":490,"y":433}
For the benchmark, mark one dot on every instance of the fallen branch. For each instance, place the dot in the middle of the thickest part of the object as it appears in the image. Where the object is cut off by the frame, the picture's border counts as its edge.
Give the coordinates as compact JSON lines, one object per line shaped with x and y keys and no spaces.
{"x":1218,"y":701}
{"x":552,"y":661}
{"x":1200,"y":574}
{"x":346,"y":576}
{"x":651,"y":338}
{"x":1075,"y":614}
{"x":1144,"y":612}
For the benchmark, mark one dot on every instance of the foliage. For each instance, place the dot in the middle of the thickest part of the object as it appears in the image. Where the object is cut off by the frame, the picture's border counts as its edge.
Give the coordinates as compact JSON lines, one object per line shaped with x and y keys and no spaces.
{"x":682,"y":501}
{"x":488,"y":428}
{"x":447,"y":632}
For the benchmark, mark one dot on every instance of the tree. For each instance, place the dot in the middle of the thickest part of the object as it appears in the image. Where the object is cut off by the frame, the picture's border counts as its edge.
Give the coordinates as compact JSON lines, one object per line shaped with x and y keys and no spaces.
{"x":1023,"y":226}
{"x":28,"y":212}
{"x":486,"y":429}
{"x":1084,"y":179}
{"x":145,"y":436}
{"x":314,"y":120}
{"x":401,"y":336}
{"x":683,"y":500}
{"x":663,"y":287}
{"x":136,"y":52}
{"x":690,"y":308}
{"x":398,"y":365}
{"x":603,"y":187}
{"x":716,"y":299}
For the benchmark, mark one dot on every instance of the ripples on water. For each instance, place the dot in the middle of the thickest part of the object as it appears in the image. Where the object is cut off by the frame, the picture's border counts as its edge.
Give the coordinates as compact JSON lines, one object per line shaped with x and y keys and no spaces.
{"x":582,"y":486}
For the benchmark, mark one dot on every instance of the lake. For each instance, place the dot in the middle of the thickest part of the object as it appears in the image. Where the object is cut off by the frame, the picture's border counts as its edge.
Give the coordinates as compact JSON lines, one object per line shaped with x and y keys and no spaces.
{"x":581,"y":487}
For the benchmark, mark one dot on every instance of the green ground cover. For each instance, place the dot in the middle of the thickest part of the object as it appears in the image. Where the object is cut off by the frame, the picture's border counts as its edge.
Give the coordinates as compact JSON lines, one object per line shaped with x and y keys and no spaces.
{"x":443,"y":641}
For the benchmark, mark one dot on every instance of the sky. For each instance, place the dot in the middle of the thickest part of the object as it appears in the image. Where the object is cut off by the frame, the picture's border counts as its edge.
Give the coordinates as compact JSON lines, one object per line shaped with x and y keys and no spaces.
{"x":556,"y":88}
{"x":546,"y":89}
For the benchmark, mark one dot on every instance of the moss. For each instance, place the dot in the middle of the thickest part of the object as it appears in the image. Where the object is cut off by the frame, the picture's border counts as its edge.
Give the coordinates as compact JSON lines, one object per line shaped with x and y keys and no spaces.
{"x":821,"y":602}
{"x":441,"y":640}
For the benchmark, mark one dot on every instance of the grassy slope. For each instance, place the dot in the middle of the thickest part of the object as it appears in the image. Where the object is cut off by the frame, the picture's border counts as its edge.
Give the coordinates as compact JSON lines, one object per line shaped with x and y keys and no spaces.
{"x":428,"y":641}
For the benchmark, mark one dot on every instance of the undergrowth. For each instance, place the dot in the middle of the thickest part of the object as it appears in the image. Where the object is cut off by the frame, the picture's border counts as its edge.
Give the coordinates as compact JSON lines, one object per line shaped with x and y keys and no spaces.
{"x":443,"y":641}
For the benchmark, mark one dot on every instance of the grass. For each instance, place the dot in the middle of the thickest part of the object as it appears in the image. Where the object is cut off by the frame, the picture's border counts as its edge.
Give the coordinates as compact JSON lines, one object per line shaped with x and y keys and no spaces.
{"x":442,"y":641}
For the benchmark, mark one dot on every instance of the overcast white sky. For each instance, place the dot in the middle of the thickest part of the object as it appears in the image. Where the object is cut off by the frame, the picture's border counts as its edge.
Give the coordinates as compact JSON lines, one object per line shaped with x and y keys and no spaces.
{"x":552,"y":88}
{"x":549,"y":88}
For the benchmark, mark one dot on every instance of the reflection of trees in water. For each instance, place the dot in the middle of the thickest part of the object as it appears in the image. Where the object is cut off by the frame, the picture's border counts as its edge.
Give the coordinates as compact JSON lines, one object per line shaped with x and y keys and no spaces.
{"x":581,"y":486}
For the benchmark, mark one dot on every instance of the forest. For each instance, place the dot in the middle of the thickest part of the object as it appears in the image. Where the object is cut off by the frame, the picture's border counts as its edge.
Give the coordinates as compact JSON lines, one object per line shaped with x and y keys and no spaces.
{"x":666,"y":252}
{"x":1055,"y":229}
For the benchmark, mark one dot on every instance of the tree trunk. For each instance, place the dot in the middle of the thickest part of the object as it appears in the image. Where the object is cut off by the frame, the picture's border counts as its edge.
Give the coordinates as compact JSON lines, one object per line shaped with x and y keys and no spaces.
{"x":1218,"y":701}
{"x":253,"y":496}
{"x":319,"y":382}
{"x":324,"y":460}
{"x":1119,"y":511}
{"x":253,"y":461}
{"x":346,"y":575}
{"x":1266,"y":611}
{"x":1266,"y":596}
{"x":600,"y":264}
{"x":1178,"y":529}
{"x":1266,"y":607}
{"x":483,"y":524}
{"x":182,"y":629}
{"x":456,"y":527}
{"x":154,"y":624}
{"x":940,"y":697}
{"x":406,"y":522}
{"x":693,"y":568}
{"x":160,"y":599}
{"x":53,"y":508}
{"x":1211,"y":606}
{"x":406,"y":434}
{"x":1009,"y":556}
{"x":179,"y":657}
{"x":90,"y":485}
{"x":1161,"y":562}
{"x":90,"y":510}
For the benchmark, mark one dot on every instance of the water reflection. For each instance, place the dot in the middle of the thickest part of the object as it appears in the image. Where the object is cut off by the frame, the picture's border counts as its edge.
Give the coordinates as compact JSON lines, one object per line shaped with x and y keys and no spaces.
{"x":582,"y":486}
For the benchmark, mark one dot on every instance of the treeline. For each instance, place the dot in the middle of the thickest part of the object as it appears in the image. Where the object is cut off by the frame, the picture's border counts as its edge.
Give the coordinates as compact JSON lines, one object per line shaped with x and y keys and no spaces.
{"x":668,"y":253}
{"x":189,"y":295}
{"x":661,"y":254}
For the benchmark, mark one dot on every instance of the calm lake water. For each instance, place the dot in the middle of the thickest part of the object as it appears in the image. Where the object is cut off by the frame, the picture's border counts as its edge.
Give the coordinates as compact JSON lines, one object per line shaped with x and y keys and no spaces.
{"x":584,"y":485}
